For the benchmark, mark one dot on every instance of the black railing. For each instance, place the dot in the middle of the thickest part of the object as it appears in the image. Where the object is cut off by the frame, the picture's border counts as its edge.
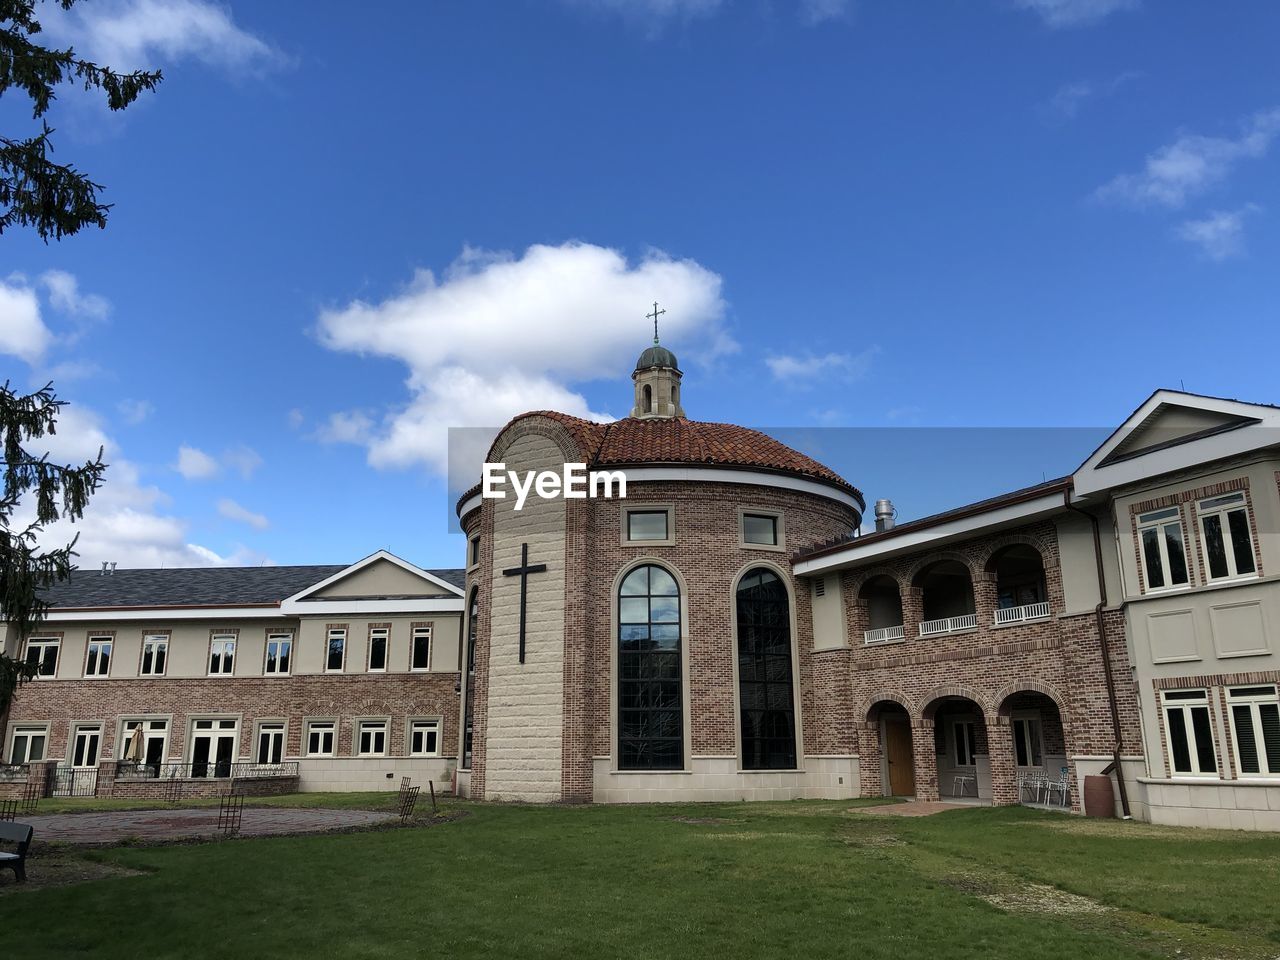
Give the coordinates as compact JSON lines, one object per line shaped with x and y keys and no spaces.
{"x":13,"y":773}
{"x":73,"y":782}
{"x":204,"y":770}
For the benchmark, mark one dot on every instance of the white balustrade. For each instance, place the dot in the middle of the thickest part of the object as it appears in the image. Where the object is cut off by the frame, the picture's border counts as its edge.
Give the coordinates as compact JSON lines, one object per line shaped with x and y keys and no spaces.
{"x":1028,"y":611}
{"x":933,"y":628}
{"x":883,"y":634}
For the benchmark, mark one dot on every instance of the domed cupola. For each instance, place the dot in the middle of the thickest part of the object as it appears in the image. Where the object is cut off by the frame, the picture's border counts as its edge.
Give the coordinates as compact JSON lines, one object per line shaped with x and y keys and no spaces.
{"x":657,"y":380}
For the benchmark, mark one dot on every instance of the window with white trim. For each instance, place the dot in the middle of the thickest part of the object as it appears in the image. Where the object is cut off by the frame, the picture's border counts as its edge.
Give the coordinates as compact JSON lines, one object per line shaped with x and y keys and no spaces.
{"x":1255,"y":728}
{"x":29,"y":744}
{"x":154,"y":743}
{"x":222,"y":654}
{"x":1163,"y":549}
{"x":155,"y":654}
{"x":424,"y":738}
{"x":320,"y":738}
{"x":964,"y":734}
{"x":372,"y":738}
{"x":270,"y":745}
{"x":42,"y":653}
{"x":1189,"y":732}
{"x":335,"y":650}
{"x":86,"y":739}
{"x":1225,"y":537}
{"x":97,"y":661}
{"x":421,"y":653}
{"x":279,"y":654}
{"x":378,"y":639}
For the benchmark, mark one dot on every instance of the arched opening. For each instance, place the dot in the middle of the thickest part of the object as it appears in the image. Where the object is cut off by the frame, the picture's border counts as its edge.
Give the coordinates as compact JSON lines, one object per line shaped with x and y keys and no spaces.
{"x":650,"y":692}
{"x":946,"y":597}
{"x":648,"y":398}
{"x":766,"y":699}
{"x":1021,"y":592}
{"x":960,"y":742}
{"x":884,"y":609}
{"x":469,"y":706}
{"x":1040,"y":762}
{"x":897,"y":761}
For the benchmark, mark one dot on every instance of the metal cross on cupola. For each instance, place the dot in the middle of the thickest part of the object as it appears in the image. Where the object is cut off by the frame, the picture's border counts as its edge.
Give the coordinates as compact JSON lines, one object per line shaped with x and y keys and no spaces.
{"x":523,"y":572}
{"x":654,"y":317}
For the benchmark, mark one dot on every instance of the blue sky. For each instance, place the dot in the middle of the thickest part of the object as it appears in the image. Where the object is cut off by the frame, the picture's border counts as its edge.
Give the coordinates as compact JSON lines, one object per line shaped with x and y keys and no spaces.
{"x":335,"y":236}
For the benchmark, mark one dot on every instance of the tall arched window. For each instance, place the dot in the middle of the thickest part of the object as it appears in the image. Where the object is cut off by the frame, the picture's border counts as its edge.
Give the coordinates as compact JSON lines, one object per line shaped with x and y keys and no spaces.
{"x":469,"y":706}
{"x":648,"y":399}
{"x":764,"y":673}
{"x":650,"y":699}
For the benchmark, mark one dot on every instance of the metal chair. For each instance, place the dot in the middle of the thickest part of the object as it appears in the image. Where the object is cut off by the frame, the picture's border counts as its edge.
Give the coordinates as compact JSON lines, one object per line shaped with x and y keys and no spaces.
{"x":1061,"y":785}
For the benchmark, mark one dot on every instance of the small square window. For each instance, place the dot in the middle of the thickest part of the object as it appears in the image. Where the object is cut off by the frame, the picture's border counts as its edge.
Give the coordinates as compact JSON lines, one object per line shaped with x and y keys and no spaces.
{"x":647,"y":525}
{"x":760,"y":529}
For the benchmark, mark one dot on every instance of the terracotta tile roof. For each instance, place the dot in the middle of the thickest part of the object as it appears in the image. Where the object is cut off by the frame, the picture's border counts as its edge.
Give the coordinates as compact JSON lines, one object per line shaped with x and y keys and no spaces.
{"x":633,"y":442}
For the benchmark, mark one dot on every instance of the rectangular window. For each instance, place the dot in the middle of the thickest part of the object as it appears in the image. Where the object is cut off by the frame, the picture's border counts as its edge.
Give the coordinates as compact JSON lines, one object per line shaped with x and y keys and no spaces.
{"x":378,"y":649}
{"x":85,"y":742}
{"x":1255,"y":725}
{"x":147,"y":748}
{"x":424,"y":738}
{"x":279,"y":653}
{"x":98,"y":661}
{"x":222,"y":654}
{"x":28,"y":744}
{"x":1164,"y":554}
{"x":336,"y":651}
{"x":421,"y":649}
{"x":1225,"y":537}
{"x":42,"y":653}
{"x":760,"y":528}
{"x":1026,"y":742}
{"x":473,"y":552}
{"x":964,"y":735}
{"x":320,"y":738}
{"x":372,"y":738}
{"x":155,"y":652}
{"x":270,"y":747}
{"x":647,"y":525}
{"x":1190,"y":733}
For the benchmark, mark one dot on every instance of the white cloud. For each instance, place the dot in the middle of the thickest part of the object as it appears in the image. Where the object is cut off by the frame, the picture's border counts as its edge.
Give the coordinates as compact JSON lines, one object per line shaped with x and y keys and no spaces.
{"x":23,"y":333}
{"x":194,"y":464}
{"x":654,"y":14}
{"x":139,"y":34}
{"x":134,"y":411}
{"x":802,"y":370}
{"x":498,"y":334}
{"x":233,"y":511}
{"x":1066,"y":102}
{"x":242,"y":459}
{"x":1075,"y":13}
{"x":814,"y":12}
{"x":1192,"y":164}
{"x":65,"y":295}
{"x":296,"y":419}
{"x":1220,"y":235}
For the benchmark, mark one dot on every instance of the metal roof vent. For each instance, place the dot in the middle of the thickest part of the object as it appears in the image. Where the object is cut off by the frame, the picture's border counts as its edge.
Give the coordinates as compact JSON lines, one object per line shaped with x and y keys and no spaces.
{"x":886,"y":513}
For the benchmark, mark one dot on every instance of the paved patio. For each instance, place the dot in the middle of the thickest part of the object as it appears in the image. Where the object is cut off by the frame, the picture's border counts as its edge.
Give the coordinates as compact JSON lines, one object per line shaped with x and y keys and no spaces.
{"x":114,"y":826}
{"x":919,"y":808}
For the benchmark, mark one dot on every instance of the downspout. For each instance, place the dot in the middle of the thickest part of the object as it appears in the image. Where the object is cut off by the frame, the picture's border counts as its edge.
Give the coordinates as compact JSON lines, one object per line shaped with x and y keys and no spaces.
{"x":1106,"y":655}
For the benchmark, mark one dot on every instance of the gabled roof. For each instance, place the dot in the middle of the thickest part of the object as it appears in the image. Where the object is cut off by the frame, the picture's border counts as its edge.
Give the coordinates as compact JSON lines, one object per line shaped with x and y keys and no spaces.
{"x":452,"y":584}
{"x":1173,"y":430}
{"x":185,"y":586}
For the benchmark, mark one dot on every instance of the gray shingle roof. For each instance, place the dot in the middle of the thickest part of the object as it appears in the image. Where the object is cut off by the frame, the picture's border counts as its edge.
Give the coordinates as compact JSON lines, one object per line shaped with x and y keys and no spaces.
{"x":198,"y":586}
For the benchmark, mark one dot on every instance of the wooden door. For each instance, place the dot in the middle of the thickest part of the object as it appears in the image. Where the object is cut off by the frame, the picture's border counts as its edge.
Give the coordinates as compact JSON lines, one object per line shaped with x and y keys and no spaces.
{"x":902,"y":774}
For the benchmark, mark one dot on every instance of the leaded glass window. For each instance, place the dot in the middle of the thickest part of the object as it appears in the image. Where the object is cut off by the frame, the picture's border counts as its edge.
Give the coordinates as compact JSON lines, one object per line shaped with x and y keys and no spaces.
{"x":767,"y":705}
{"x":650,"y":696}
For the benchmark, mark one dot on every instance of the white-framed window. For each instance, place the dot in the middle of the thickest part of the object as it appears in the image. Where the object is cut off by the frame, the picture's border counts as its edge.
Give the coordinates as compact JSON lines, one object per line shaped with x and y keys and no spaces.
{"x":214,"y":746}
{"x":222,"y":655}
{"x":1027,"y":742}
{"x":42,"y":653}
{"x":29,"y":744}
{"x":1163,"y":549}
{"x":321,"y":738}
{"x":379,"y":637}
{"x":269,"y":747}
{"x":97,"y":661}
{"x":155,"y":740}
{"x":964,"y":735}
{"x":1189,"y":731}
{"x":424,"y":738}
{"x":279,"y":654}
{"x":762,"y":529}
{"x":371,"y":738}
{"x":1225,"y":537}
{"x":335,"y":650}
{"x":155,"y":654}
{"x":1255,"y":728}
{"x":420,"y":654}
{"x":86,"y":739}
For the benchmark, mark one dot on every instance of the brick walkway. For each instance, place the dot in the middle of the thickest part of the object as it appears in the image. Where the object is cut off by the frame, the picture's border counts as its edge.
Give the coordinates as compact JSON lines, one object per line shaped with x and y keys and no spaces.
{"x":114,"y":826}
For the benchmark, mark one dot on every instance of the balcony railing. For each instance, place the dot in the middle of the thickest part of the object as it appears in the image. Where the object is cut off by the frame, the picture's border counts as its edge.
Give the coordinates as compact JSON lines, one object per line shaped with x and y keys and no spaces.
{"x":883,"y":634}
{"x":933,"y":628}
{"x":1028,"y":611}
{"x":200,"y":771}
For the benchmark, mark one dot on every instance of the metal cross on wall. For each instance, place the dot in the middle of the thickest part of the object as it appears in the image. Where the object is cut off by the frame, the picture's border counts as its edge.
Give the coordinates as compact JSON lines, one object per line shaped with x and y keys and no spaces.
{"x":523,"y":572}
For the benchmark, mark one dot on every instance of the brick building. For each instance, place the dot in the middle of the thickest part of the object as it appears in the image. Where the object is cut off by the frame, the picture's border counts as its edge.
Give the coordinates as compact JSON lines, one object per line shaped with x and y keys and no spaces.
{"x":727,"y":631}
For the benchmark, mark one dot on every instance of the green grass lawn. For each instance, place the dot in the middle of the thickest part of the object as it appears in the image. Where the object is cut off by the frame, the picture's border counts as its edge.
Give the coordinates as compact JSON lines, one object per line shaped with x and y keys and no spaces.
{"x":805,"y":879}
{"x":381,"y":800}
